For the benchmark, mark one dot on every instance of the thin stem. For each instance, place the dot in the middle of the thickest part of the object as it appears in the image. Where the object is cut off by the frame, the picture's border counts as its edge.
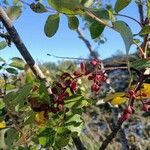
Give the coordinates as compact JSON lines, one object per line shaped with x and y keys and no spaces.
{"x":60,"y":57}
{"x":92,"y":15}
{"x":122,"y":15}
{"x":140,"y":49}
{"x":87,"y":43}
{"x":114,"y":68}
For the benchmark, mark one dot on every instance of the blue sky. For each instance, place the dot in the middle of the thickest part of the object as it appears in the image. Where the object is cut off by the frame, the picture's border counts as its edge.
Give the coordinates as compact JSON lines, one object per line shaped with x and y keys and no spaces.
{"x":30,"y":26}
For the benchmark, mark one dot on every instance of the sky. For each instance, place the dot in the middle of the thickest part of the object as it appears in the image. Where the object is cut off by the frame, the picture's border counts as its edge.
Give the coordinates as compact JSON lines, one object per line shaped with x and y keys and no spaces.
{"x":65,"y":42}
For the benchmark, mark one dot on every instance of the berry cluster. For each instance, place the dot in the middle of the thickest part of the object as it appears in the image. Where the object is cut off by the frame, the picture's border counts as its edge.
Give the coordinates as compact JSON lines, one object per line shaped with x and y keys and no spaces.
{"x":92,"y":70}
{"x":132,"y":95}
{"x":126,"y":114}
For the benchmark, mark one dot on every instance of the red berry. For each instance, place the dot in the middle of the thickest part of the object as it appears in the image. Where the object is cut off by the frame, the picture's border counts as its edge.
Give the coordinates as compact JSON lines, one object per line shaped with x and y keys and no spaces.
{"x":60,"y":107}
{"x":65,"y":75}
{"x":132,"y":93}
{"x":73,"y":86}
{"x":145,"y":107}
{"x":90,"y":77}
{"x":124,"y":117}
{"x":82,"y":66}
{"x":95,"y":87}
{"x":54,"y":110}
{"x":67,"y":82}
{"x":77,"y":73}
{"x":54,"y":90}
{"x":94,"y":61}
{"x":148,"y":102}
{"x":103,"y":78}
{"x":128,"y":110}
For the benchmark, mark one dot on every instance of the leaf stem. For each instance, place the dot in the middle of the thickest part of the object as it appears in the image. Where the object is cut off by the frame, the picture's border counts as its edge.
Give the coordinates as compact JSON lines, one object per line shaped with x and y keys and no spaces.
{"x":122,"y":15}
{"x":92,"y":15}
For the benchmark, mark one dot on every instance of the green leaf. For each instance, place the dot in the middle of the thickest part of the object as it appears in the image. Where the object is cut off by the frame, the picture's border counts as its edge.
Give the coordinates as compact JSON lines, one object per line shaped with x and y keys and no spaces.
{"x":121,"y":4}
{"x":8,"y":137}
{"x":43,"y":94}
{"x":148,"y":9}
{"x":23,"y":94}
{"x":87,"y":3}
{"x":1,"y":59}
{"x":73,"y":22}
{"x":77,"y":101}
{"x":10,"y":97}
{"x":141,"y":64}
{"x":14,"y":12}
{"x":10,"y":86}
{"x":17,"y":59}
{"x":2,"y":104}
{"x":96,"y":29}
{"x":17,"y":63}
{"x":46,"y":137}
{"x":3,"y":44}
{"x":51,"y":25}
{"x":2,"y":142}
{"x":145,"y":30}
{"x":136,"y":41}
{"x":125,"y":32}
{"x":9,"y":100}
{"x":1,"y":67}
{"x":38,"y":8}
{"x":68,"y":7}
{"x":12,"y":71}
{"x":62,"y":137}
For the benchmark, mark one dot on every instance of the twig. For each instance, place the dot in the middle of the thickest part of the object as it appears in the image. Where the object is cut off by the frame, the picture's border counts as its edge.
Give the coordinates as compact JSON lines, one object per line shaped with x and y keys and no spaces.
{"x":123,"y":139}
{"x":110,"y":137}
{"x":92,"y":15}
{"x":141,"y":11}
{"x":87,"y":43}
{"x":60,"y":57}
{"x":140,"y":49}
{"x":22,"y":48}
{"x":78,"y":143}
{"x":118,"y":126}
{"x":122,"y":15}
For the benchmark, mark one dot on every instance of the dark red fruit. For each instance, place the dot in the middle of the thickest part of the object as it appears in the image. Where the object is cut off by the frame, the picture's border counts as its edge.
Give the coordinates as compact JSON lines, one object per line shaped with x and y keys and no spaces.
{"x":73,"y":86}
{"x":65,"y":75}
{"x":82,"y":66}
{"x":145,"y":107}
{"x":95,"y":87}
{"x":77,"y":73}
{"x":60,"y":107}
{"x":128,"y":110}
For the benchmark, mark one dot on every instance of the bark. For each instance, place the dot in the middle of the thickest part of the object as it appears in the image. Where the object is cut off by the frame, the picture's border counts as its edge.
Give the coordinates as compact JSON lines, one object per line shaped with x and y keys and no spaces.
{"x":78,"y":143}
{"x":15,"y":38}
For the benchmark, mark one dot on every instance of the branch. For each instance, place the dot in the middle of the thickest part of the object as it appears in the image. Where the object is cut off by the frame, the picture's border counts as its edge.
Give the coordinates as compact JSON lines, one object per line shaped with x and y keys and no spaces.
{"x":60,"y":57}
{"x":6,"y":37}
{"x":119,"y":123}
{"x":111,"y":136}
{"x":87,"y":43}
{"x":79,"y":145}
{"x":22,"y":48}
{"x":141,"y":11}
{"x":123,"y":139}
